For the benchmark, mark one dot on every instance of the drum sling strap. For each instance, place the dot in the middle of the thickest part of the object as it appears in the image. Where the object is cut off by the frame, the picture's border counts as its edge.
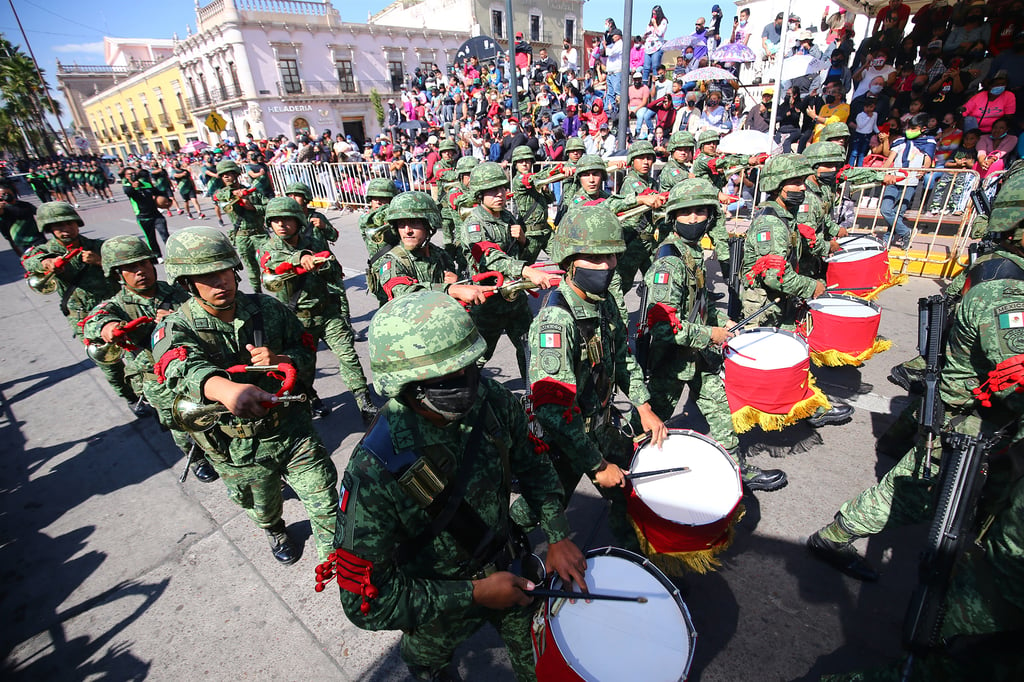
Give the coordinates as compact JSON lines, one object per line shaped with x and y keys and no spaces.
{"x":447,"y":505}
{"x":996,"y":267}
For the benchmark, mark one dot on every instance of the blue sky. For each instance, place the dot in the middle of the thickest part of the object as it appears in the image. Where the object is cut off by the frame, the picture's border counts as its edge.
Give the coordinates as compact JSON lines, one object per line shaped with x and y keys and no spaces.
{"x":73,"y":30}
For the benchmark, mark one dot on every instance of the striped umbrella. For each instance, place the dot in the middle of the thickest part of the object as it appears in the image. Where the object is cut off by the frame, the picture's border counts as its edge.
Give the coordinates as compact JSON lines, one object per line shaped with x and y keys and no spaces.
{"x":733,"y":52}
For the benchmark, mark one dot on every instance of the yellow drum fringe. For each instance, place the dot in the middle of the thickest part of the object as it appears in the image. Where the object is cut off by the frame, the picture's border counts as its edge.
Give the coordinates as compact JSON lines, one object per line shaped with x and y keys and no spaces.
{"x":748,"y":417}
{"x":700,"y":561}
{"x":837,"y":358}
{"x":893,"y":281}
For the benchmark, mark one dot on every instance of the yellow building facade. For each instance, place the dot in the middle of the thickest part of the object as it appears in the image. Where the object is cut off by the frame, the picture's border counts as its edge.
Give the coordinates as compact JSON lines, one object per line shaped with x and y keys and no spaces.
{"x":145,"y":113}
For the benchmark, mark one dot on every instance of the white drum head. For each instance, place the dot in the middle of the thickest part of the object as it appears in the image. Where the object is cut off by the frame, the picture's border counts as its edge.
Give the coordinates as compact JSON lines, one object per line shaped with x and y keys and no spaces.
{"x":860,"y":241}
{"x":611,"y":641}
{"x":703,"y":495}
{"x":854,"y":256}
{"x":766,"y":348}
{"x":843,"y":307}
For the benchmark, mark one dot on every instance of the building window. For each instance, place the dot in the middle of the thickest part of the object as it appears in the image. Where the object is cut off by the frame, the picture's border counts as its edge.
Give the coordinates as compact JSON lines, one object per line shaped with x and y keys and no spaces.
{"x":289,"y":68}
{"x":428,"y":68}
{"x":535,"y":28}
{"x":570,"y":30}
{"x":497,"y":24}
{"x":234,"y":77}
{"x":346,"y":79}
{"x":397,"y":75}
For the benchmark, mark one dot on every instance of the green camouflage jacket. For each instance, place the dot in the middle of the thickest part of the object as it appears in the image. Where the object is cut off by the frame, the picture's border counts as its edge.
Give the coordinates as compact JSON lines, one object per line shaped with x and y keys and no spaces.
{"x":327,"y":231}
{"x":402,"y":271}
{"x":248,"y":218}
{"x":373,"y":238}
{"x":84,"y":285}
{"x":487,"y":243}
{"x":314,"y":294}
{"x":672,"y":174}
{"x":532,"y":204}
{"x":773,"y":233}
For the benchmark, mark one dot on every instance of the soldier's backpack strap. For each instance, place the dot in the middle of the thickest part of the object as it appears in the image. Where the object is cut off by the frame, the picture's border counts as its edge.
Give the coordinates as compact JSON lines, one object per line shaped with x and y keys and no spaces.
{"x":597,"y":379}
{"x":257,"y":321}
{"x":996,"y":267}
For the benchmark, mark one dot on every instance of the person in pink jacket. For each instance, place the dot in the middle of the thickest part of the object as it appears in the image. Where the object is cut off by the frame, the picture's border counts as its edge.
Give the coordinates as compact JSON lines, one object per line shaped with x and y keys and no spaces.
{"x":989,"y":105}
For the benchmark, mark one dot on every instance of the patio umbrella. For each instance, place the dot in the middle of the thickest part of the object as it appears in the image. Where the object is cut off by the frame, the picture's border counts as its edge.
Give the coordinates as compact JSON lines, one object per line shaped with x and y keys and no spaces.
{"x":481,"y":47}
{"x":802,"y":65}
{"x":733,"y":52}
{"x":194,"y":146}
{"x":709,"y":73}
{"x":746,"y":142}
{"x":412,"y":125}
{"x":678,"y":43}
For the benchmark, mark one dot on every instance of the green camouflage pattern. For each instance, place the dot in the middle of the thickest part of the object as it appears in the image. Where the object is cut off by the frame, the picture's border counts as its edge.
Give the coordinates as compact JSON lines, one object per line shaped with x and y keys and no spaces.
{"x":588,"y":230}
{"x":300,"y":188}
{"x":575,"y":144}
{"x":318,"y":221}
{"x":825,"y":152}
{"x":429,"y":597}
{"x":56,"y":212}
{"x":415,"y":205}
{"x":448,"y":145}
{"x":591,"y":162}
{"x":532,"y":208}
{"x":198,"y":251}
{"x":421,"y":336}
{"x":381,"y":188}
{"x":466,"y":164}
{"x":485,"y":176}
{"x":638,"y":231}
{"x":685,"y":357}
{"x":124,"y":250}
{"x":672,"y":173}
{"x":709,"y":135}
{"x":784,"y":167}
{"x":249,"y":228}
{"x":691,"y":192}
{"x":638,"y":149}
{"x":1007,"y":207}
{"x":287,"y":446}
{"x":816,"y":211}
{"x":228,"y":166}
{"x":837,"y":130}
{"x":679,"y":140}
{"x":523,"y":153}
{"x":285,"y":207}
{"x":401,"y":271}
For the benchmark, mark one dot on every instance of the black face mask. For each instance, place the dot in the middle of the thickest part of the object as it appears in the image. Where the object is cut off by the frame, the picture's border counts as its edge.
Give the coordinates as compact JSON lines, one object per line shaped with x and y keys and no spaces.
{"x":692,"y":232}
{"x":452,"y":398}
{"x":828,"y":178}
{"x":830,"y":99}
{"x":594,"y":283}
{"x":793,"y":199}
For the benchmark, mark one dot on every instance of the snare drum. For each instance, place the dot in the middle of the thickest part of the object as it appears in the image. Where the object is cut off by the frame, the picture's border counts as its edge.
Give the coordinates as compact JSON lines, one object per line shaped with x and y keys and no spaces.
{"x":861,"y":241}
{"x":612,"y":641}
{"x":684,"y":519}
{"x":768,"y":380}
{"x":859,"y":268}
{"x":844,"y":330}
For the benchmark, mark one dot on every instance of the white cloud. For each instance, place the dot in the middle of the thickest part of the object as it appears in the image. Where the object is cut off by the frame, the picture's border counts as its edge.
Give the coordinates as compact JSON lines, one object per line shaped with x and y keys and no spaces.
{"x":80,"y":48}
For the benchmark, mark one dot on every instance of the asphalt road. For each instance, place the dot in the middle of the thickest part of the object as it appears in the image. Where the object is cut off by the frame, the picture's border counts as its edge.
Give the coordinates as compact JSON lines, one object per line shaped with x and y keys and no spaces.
{"x":114,"y":570}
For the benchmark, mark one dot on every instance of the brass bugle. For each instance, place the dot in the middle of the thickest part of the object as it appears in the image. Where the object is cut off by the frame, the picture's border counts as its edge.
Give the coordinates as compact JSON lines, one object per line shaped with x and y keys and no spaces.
{"x":104,"y":353}
{"x":558,"y":177}
{"x":273,"y":281}
{"x":633,"y":212}
{"x":44,"y":284}
{"x":513,"y":290}
{"x":197,"y":417}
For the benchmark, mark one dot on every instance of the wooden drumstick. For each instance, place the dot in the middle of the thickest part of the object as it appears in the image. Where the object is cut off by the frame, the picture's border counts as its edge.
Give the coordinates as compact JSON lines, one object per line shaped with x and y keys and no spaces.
{"x":659,"y":472}
{"x":588,"y":596}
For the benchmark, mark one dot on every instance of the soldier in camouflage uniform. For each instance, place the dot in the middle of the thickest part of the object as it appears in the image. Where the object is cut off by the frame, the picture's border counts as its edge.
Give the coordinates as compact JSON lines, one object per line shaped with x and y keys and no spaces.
{"x":574,"y":151}
{"x":302,"y":194}
{"x":531,"y":202}
{"x":638,"y":231}
{"x":317,"y":295}
{"x":492,"y":242}
{"x":373,"y":226}
{"x":81,"y":283}
{"x":245,"y":208}
{"x":128,"y":262}
{"x":677,"y":168}
{"x":262,"y":440}
{"x":988,"y":331}
{"x":449,"y":152}
{"x":845,"y":209}
{"x":17,"y":220}
{"x":826,"y":158}
{"x":416,"y":264}
{"x":578,"y":356}
{"x":443,"y":427}
{"x":456,"y":202}
{"x":686,"y":329}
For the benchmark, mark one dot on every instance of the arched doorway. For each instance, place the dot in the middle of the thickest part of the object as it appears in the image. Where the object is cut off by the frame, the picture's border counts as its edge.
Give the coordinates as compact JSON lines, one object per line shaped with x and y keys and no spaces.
{"x":300,"y":126}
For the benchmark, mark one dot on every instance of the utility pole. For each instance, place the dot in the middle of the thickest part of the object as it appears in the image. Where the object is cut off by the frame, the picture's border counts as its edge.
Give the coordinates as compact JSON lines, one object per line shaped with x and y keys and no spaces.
{"x":624,"y":76}
{"x":513,"y":76}
{"x":42,"y":83}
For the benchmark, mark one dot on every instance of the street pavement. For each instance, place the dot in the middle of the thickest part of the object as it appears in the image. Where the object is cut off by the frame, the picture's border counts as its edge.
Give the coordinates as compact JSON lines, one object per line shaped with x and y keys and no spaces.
{"x":114,"y":570}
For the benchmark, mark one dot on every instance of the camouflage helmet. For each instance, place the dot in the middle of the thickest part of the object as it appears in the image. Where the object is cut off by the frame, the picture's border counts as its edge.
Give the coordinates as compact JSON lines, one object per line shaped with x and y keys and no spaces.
{"x":228,"y":166}
{"x":485,"y":176}
{"x":1008,"y":207}
{"x":639,"y":148}
{"x":523,"y":153}
{"x":381,"y":188}
{"x":124,"y":250}
{"x":836,"y":130}
{"x":199,"y":251}
{"x":831,"y":153}
{"x":709,"y":135}
{"x":575,"y":144}
{"x":415,"y":205}
{"x":691,"y":192}
{"x":591,"y":162}
{"x":448,"y":145}
{"x":285,"y":207}
{"x":300,"y":188}
{"x":53,"y":212}
{"x":418,"y":337}
{"x":590,"y":230}
{"x":466,"y":164}
{"x":680,"y":140}
{"x":784,"y":167}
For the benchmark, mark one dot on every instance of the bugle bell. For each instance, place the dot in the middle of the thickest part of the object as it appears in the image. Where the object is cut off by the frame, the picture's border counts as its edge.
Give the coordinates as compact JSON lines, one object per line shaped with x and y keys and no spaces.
{"x":104,"y":353}
{"x":44,"y":284}
{"x":197,"y":417}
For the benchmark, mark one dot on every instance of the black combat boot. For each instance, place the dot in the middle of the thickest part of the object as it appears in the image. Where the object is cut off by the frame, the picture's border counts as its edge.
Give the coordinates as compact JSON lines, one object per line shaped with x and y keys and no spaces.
{"x":839,"y":414}
{"x":281,"y":545}
{"x":757,"y":479}
{"x":841,"y":556}
{"x":319,"y":409}
{"x":204,"y":471}
{"x":367,"y":410}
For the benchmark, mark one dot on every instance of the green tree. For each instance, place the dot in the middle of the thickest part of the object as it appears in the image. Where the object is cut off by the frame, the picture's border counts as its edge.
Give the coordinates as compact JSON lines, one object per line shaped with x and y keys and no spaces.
{"x":24,"y":105}
{"x":378,"y":106}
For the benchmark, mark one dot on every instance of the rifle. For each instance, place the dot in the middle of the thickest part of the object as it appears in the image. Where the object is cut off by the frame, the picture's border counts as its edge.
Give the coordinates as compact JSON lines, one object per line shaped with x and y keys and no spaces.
{"x":962,"y":477}
{"x":931,"y":342}
{"x":642,"y":341}
{"x":733,"y":282}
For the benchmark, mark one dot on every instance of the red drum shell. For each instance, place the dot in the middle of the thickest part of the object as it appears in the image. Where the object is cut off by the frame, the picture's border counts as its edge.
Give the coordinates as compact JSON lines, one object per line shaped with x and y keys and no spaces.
{"x":843,"y":323}
{"x":767,"y":369}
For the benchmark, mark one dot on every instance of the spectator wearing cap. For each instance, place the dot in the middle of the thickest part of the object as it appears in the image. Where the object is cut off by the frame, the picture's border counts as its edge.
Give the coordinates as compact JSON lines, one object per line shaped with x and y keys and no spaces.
{"x":700,"y":40}
{"x":932,"y":65}
{"x":602,"y":144}
{"x":989,"y":105}
{"x":513,"y":138}
{"x":571,"y":123}
{"x":771,"y":36}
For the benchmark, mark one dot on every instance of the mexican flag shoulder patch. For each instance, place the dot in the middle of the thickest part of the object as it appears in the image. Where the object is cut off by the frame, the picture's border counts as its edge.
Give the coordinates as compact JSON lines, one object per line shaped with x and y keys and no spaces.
{"x":1012,"y":320}
{"x":661,"y":278}
{"x":764,"y":236}
{"x":551,"y":340}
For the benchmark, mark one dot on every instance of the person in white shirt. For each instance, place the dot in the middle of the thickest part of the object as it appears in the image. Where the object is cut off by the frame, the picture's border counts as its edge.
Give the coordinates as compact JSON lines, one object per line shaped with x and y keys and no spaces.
{"x":614,"y":65}
{"x":872,"y":68}
{"x":570,"y":58}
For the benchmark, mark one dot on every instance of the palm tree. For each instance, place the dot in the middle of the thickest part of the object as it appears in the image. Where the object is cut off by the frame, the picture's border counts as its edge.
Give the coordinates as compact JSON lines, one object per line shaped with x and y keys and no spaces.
{"x":20,"y":89}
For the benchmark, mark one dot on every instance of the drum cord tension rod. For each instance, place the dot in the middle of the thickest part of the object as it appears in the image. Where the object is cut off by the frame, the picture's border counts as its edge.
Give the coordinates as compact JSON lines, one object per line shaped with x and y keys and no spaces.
{"x":659,"y":472}
{"x":588,"y":596}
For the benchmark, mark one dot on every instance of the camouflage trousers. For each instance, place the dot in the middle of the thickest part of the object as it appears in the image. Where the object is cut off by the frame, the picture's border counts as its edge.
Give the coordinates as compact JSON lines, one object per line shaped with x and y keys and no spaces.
{"x":708,"y":393}
{"x":449,"y":231}
{"x":429,"y":650}
{"x":638,"y":256}
{"x":114,"y":374}
{"x":336,"y":330}
{"x":307,"y":468}
{"x":536,"y":241}
{"x":512,"y":318}
{"x":754,"y":298}
{"x":246,"y":245}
